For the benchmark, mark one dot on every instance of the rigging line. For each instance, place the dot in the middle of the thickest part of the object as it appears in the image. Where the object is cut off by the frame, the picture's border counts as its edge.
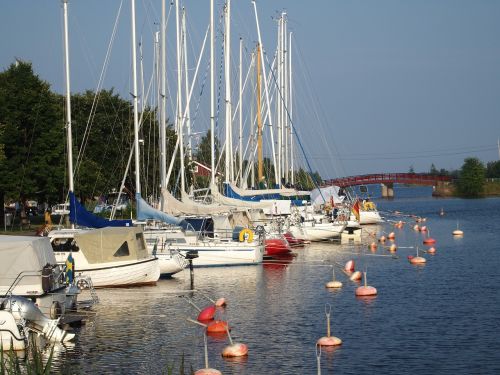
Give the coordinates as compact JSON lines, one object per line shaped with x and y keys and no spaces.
{"x":95,"y":101}
{"x":278,"y":91}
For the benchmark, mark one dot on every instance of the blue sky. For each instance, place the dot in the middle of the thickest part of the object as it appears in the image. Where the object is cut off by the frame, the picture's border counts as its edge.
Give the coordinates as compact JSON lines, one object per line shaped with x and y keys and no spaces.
{"x":380,"y":85}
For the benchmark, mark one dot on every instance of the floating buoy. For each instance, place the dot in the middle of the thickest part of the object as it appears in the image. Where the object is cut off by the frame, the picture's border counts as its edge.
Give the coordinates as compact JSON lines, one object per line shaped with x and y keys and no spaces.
{"x":423,"y":229}
{"x":235,"y":350}
{"x":217,"y":326}
{"x":391,"y":236}
{"x":431,"y":250}
{"x":416,"y":260}
{"x":442,"y":212}
{"x":429,"y":241}
{"x":458,"y":232}
{"x":334,"y":283}
{"x":207,"y":313}
{"x":208,"y":371}
{"x":373,"y":246}
{"x":356,"y":276}
{"x":382,"y":239}
{"x":416,"y":227}
{"x":328,"y":340}
{"x":349,"y":266}
{"x":393,"y":248}
{"x":221,"y":302}
{"x":366,"y":290}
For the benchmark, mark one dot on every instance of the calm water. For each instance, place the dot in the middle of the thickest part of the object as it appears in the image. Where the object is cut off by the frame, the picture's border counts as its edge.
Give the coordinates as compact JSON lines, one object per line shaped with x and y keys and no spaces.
{"x":441,"y":318}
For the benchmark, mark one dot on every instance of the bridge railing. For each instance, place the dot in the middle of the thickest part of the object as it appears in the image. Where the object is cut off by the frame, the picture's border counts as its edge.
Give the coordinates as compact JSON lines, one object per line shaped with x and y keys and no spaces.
{"x":413,"y":178}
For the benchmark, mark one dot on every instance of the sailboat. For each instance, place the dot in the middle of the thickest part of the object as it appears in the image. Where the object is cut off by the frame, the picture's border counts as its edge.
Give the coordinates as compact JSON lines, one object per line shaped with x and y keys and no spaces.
{"x":108,"y":256}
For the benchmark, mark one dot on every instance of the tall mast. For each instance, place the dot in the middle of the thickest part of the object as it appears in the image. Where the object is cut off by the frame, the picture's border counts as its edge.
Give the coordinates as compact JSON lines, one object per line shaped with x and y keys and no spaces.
{"x":268,"y":102}
{"x":136,"y":104}
{"x":290,"y":108}
{"x":163,"y":96}
{"x":284,"y":84}
{"x":186,"y":85}
{"x":260,"y":165}
{"x":179,"y":95}
{"x":278,"y":98}
{"x":212,"y":92}
{"x":69,"y":141}
{"x":227,"y":78}
{"x":241,"y":113}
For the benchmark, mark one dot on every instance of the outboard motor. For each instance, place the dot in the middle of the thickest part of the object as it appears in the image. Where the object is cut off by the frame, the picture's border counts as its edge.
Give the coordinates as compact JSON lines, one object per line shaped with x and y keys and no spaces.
{"x":25,"y":308}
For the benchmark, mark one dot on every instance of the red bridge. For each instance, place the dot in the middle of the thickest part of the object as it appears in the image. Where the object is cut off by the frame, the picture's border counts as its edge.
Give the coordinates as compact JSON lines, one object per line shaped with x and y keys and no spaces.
{"x":389,"y":179}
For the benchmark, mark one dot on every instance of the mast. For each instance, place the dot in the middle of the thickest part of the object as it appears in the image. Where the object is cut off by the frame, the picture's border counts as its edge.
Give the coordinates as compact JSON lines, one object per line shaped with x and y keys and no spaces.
{"x":290,"y":108}
{"x":227,"y":78}
{"x":279,"y":101}
{"x":260,"y":165}
{"x":212,"y":93}
{"x":163,"y":111}
{"x":179,"y":96}
{"x":268,"y":102}
{"x":69,"y":140}
{"x":186,"y":85}
{"x":285,"y":101}
{"x":241,"y":113}
{"x":136,"y":104}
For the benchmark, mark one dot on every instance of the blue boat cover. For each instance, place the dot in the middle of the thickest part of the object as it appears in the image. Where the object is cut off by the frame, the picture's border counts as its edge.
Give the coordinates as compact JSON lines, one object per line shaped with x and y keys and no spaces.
{"x":146,"y":212}
{"x":79,"y":215}
{"x":258,"y":196}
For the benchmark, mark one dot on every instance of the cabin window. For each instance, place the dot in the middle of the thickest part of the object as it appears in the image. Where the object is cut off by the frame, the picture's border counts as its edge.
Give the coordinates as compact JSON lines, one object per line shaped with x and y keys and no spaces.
{"x":123,"y":251}
{"x":139,"y":238}
{"x":64,"y":245}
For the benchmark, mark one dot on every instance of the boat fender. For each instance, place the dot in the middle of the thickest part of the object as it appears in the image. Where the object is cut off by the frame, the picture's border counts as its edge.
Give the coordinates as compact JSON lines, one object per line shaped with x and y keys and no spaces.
{"x":246,"y":234}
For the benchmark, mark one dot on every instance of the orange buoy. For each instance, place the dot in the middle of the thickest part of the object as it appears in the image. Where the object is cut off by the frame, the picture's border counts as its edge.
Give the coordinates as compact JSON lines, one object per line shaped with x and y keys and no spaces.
{"x":416,"y":227}
{"x":366,"y":290}
{"x":356,"y":276}
{"x":334,"y":283}
{"x":382,"y":239}
{"x":373,"y":246}
{"x":393,"y":248}
{"x":391,"y":236}
{"x":423,"y":229}
{"x":416,"y":260}
{"x":217,"y":326}
{"x":235,"y":350}
{"x":208,"y":371}
{"x":328,"y":340}
{"x":431,"y":250}
{"x":349,"y":266}
{"x":429,"y":241}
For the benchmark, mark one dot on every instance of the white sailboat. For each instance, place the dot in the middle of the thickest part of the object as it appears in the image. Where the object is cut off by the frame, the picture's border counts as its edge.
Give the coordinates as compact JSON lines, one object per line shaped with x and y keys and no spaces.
{"x":119,"y":264}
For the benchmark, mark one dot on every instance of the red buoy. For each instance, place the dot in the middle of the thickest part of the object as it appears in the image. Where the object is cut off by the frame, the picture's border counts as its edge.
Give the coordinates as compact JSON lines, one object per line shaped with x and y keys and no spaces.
{"x":431,"y":250}
{"x":366,"y":290}
{"x":382,"y":239}
{"x":328,"y":340}
{"x":429,"y":241}
{"x":391,"y":236}
{"x":349,"y":266}
{"x":416,"y":260}
{"x":208,"y":371}
{"x":373,"y":246}
{"x":416,"y":227}
{"x":207,"y":313}
{"x":221,"y":302}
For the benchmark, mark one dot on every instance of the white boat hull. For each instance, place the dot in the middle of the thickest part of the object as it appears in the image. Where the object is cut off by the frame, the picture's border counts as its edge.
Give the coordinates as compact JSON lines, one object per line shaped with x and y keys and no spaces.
{"x":170,"y":264}
{"x":317,"y":232}
{"x":369,"y":217}
{"x":119,"y":274}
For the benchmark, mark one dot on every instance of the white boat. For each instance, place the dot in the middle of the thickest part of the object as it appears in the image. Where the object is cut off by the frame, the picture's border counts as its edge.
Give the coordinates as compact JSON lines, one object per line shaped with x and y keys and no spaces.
{"x":111,"y":257}
{"x":368,"y":213}
{"x":313,"y":231}
{"x":211,"y":251}
{"x":28,"y":268}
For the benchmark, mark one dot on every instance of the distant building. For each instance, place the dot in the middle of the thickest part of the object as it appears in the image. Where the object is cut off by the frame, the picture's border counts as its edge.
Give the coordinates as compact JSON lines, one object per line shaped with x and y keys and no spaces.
{"x":200,"y":169}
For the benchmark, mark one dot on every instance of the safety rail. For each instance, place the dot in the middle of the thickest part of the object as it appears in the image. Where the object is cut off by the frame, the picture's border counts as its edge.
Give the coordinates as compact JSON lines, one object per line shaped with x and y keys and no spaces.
{"x":403,"y":178}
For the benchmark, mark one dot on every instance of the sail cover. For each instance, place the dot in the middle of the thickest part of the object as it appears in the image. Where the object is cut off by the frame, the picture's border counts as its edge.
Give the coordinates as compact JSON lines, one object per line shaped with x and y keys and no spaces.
{"x":187,"y":207}
{"x":218,"y":197}
{"x":79,"y":215}
{"x":146,"y":212}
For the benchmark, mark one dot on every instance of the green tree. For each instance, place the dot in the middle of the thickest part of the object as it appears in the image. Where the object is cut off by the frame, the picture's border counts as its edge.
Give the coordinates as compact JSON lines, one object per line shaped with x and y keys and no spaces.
{"x":471,"y":178}
{"x":493,"y":169}
{"x":411,"y":169}
{"x":33,"y":136}
{"x":433,"y":170}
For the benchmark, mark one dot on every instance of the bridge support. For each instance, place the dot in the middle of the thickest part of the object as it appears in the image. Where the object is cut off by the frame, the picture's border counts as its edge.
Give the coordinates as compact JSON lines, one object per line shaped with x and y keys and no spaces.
{"x":388,"y":190}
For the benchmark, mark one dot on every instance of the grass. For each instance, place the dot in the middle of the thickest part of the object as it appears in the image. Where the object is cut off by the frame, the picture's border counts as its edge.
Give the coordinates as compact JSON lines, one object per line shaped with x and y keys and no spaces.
{"x":33,"y":364}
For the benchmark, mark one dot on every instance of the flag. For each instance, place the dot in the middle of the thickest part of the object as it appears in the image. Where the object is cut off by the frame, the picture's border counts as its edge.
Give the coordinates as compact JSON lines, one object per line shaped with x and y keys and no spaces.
{"x":355,"y":209}
{"x":70,"y":269}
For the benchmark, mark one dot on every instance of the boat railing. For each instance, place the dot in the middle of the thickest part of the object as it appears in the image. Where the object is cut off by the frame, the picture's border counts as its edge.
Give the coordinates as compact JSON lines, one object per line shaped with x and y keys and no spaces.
{"x":18,"y":279}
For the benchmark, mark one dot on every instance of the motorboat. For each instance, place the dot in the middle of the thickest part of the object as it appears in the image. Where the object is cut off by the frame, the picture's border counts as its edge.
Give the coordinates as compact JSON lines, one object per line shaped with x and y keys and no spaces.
{"x":217,"y":251}
{"x":109,"y":257}
{"x":28,"y":268}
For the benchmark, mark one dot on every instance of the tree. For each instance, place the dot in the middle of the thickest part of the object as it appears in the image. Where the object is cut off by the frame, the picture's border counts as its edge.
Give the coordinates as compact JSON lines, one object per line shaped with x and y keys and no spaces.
{"x":433,"y":170}
{"x":471,"y":178}
{"x":493,"y":169}
{"x":32,"y":137}
{"x":411,"y":170}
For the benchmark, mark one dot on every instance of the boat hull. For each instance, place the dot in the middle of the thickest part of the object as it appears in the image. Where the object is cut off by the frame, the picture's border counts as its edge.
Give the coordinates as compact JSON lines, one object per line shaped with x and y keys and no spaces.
{"x":317,"y":232}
